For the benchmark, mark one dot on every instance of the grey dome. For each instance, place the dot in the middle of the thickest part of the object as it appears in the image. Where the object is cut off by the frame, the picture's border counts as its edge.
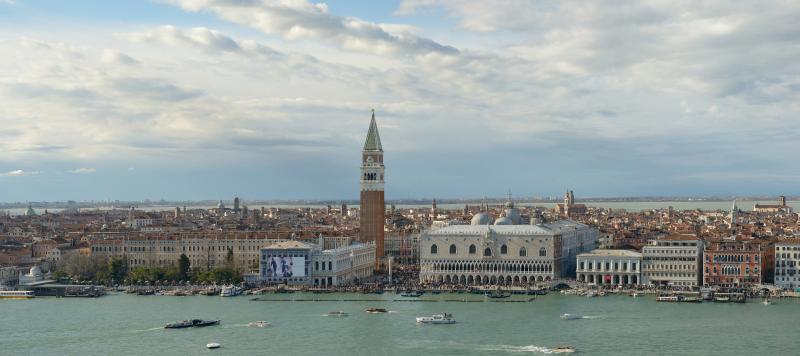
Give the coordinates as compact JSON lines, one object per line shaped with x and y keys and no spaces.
{"x":538,"y":219}
{"x":513,"y":214}
{"x":220,"y":205}
{"x":481,"y":219}
{"x":504,"y":221}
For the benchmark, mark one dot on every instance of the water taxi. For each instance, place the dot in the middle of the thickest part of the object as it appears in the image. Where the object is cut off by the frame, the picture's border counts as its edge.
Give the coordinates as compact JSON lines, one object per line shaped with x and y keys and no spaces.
{"x":570,"y":316}
{"x":376,"y":310}
{"x":193,"y":323}
{"x":729,"y":298}
{"x":260,"y":323}
{"x":16,"y":294}
{"x":437,"y":319}
{"x":337,"y":313}
{"x":565,"y":349}
{"x":681,"y":297}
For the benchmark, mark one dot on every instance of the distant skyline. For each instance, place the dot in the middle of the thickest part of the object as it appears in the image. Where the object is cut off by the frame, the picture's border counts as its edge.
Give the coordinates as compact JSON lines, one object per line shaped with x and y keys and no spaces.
{"x":210,"y":99}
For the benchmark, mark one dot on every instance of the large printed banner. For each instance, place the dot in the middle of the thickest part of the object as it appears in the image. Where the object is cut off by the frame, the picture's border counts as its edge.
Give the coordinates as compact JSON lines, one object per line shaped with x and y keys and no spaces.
{"x":286,"y":266}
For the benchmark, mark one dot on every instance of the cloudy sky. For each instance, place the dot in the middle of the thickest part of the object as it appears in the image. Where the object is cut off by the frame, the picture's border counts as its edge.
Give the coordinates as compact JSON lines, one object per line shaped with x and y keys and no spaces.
{"x":208,"y":99}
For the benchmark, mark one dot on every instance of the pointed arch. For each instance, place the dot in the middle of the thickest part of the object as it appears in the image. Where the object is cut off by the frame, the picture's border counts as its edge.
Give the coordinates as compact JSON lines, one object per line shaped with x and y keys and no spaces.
{"x":434,"y":249}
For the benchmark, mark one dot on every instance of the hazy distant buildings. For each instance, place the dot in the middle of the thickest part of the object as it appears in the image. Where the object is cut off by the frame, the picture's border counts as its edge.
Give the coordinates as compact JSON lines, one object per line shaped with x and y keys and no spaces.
{"x":774,"y":209}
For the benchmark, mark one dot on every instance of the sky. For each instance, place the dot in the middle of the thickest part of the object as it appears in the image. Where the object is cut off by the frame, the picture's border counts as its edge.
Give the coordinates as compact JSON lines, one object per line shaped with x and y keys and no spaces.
{"x":210,"y":99}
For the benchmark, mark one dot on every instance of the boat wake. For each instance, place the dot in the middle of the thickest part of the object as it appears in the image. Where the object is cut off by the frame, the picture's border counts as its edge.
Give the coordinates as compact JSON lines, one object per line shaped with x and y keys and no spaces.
{"x":519,"y":349}
{"x":225,"y":326}
{"x":590,"y":317}
{"x":145,"y":330}
{"x":394,"y":311}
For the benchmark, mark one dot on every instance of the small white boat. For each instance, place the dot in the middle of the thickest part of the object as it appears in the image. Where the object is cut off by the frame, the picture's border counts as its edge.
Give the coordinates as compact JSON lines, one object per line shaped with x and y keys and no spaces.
{"x":212,"y":345}
{"x":565,"y":349}
{"x":602,"y":294}
{"x":768,"y":302}
{"x":590,"y":294}
{"x":437,"y":319}
{"x":570,"y":316}
{"x":337,"y":313}
{"x":260,"y":323}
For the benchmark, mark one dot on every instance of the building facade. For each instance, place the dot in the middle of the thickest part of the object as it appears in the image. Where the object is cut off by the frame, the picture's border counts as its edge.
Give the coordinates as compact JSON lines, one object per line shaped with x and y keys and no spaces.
{"x":787,"y":255}
{"x":610,"y":267}
{"x":504,"y":254}
{"x":373,"y":208}
{"x":673,"y":260}
{"x":732,"y":264}
{"x":303,"y":263}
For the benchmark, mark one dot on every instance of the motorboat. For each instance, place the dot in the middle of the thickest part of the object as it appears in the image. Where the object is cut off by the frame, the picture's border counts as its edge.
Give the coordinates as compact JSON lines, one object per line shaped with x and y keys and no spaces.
{"x":565,"y":349}
{"x":192,"y":323}
{"x":337,"y":313}
{"x":230,"y":291}
{"x":601,"y":294}
{"x":437,"y":319}
{"x":376,"y":310}
{"x":570,"y":316}
{"x":260,"y":323}
{"x":590,"y":295}
{"x":212,"y":345}
{"x":498,"y":295}
{"x":768,"y":302}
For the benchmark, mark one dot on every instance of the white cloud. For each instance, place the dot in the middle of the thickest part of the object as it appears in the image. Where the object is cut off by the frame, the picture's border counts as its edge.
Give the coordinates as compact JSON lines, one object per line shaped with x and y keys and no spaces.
{"x":83,"y":170}
{"x":298,"y":19}
{"x":130,"y":169}
{"x":16,"y":173}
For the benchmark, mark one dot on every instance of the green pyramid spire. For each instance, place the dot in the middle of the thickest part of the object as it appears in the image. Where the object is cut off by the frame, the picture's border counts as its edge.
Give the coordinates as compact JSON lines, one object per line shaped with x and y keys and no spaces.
{"x":373,"y":142}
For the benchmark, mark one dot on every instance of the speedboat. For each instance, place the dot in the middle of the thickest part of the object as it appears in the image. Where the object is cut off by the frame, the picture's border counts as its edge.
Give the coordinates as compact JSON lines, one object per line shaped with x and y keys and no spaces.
{"x":260,"y":323}
{"x":193,"y":323}
{"x":212,"y":345}
{"x":437,"y":319}
{"x":768,"y":302}
{"x":565,"y":349}
{"x":376,"y":310}
{"x":570,"y":316}
{"x":337,"y":313}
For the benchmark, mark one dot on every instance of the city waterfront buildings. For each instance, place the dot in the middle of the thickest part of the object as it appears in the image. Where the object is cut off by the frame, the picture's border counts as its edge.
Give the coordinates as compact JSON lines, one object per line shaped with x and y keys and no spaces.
{"x":609,"y":267}
{"x":504,"y":254}
{"x":787,"y":255}
{"x":296,"y":262}
{"x":673,"y":260}
{"x":732,"y":264}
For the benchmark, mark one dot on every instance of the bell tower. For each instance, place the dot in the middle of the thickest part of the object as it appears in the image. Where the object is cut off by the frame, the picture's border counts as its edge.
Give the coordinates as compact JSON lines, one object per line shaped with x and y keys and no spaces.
{"x":373,"y":208}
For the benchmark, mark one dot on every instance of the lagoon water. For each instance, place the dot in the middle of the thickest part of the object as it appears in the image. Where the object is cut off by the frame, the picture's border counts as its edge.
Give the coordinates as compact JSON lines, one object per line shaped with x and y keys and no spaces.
{"x":127,"y":324}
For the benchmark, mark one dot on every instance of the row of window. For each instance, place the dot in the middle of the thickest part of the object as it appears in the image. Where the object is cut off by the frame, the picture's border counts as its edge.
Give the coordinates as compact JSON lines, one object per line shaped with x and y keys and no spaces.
{"x":600,"y":265}
{"x":787,"y":255}
{"x":732,"y":258}
{"x":488,"y":251}
{"x":784,"y":248}
{"x":735,"y":270}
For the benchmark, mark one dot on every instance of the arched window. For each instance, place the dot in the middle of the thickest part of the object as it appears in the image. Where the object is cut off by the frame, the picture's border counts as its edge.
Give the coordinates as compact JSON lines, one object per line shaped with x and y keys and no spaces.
{"x":487,"y":252}
{"x":542,"y":252}
{"x":434,"y":249}
{"x":523,"y":252}
{"x":472,"y":250}
{"x":504,"y":250}
{"x":452,"y":249}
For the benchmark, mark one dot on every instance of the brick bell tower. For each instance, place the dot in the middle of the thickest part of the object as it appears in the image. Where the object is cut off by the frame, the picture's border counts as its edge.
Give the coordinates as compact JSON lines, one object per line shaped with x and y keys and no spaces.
{"x":372,"y":206}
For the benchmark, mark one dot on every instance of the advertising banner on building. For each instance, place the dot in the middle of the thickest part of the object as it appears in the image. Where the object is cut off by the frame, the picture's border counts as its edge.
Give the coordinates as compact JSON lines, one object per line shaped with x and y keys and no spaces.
{"x":285,"y":266}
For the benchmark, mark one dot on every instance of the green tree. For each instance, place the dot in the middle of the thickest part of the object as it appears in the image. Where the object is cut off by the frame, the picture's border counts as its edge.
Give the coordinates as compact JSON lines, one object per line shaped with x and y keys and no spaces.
{"x":116,"y":268}
{"x":156,"y":273}
{"x":140,"y":274}
{"x":172,"y":275}
{"x":58,"y":274}
{"x":183,"y":266}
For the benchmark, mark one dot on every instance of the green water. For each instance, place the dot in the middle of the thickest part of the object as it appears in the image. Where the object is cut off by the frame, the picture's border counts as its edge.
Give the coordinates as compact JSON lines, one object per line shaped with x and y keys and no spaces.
{"x":616,"y":325}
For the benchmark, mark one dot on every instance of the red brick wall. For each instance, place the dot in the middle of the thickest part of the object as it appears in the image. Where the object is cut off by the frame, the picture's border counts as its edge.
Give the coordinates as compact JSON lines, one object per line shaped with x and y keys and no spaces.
{"x":372,"y":220}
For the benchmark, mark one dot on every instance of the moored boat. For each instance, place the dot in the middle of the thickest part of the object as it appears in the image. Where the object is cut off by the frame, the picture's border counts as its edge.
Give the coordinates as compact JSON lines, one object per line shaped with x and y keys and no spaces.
{"x":16,"y":294}
{"x":192,"y":323}
{"x":681,"y":298}
{"x":437,"y":319}
{"x":565,"y":349}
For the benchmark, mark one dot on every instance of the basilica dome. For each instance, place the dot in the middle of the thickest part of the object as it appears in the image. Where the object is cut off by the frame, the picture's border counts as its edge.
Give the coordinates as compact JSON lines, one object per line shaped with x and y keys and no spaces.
{"x":538,"y":219}
{"x":504,"y":221}
{"x":513,"y":214}
{"x":481,"y":219}
{"x":30,"y":211}
{"x":220,"y":205}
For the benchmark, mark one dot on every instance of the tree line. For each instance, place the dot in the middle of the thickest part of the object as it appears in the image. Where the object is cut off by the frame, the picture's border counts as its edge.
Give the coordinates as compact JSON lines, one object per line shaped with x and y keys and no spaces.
{"x":102,"y":268}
